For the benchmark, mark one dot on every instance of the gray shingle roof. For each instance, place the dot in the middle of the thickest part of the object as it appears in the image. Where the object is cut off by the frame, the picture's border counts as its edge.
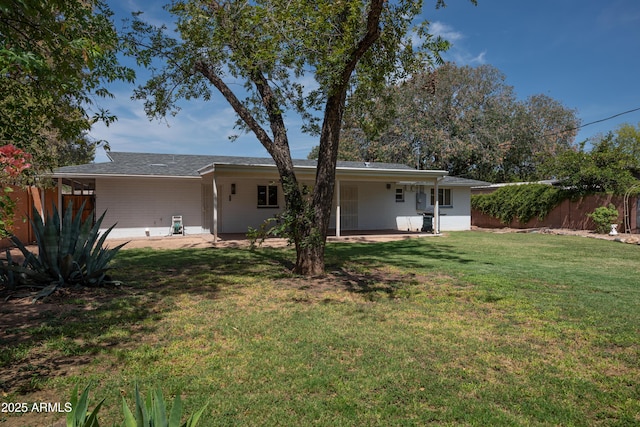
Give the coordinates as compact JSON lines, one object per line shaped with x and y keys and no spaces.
{"x":187,"y":165}
{"x":456,"y":181}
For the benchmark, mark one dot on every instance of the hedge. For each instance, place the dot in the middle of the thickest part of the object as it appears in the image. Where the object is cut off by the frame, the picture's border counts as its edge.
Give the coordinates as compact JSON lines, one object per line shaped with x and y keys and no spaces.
{"x":522,"y":202}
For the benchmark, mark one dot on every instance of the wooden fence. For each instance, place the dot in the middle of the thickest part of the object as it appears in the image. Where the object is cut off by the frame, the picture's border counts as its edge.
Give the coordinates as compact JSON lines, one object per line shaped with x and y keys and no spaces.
{"x":570,"y":214}
{"x":32,"y":197}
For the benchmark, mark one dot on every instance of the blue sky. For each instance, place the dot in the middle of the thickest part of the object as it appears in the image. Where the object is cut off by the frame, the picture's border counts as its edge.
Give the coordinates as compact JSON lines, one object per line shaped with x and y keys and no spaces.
{"x":583,"y":53}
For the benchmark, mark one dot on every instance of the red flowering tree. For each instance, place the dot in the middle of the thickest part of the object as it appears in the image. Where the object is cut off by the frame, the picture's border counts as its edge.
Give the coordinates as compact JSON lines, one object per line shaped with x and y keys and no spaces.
{"x":13,"y":164}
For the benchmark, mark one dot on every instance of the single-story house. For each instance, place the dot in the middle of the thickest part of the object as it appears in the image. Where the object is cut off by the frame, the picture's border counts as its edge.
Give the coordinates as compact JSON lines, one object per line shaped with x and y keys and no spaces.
{"x":143,"y":193}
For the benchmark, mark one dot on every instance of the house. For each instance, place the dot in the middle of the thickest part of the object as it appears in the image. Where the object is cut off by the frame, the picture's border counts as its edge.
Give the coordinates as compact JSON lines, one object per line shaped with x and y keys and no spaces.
{"x":143,"y":193}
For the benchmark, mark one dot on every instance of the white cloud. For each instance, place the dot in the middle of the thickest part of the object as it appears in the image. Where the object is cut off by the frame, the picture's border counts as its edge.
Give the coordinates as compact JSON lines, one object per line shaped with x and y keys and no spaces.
{"x":201,"y":127}
{"x":462,"y":57}
{"x":445,"y":31}
{"x":459,"y":51}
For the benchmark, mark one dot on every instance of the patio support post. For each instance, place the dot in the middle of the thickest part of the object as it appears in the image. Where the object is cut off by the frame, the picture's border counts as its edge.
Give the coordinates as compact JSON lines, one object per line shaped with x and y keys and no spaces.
{"x":215,"y":209}
{"x":60,"y":207}
{"x":337,"y":208}
{"x":436,"y":208}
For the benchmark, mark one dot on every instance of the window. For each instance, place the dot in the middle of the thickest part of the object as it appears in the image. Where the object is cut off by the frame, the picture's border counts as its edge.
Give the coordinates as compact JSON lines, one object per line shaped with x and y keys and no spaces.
{"x":444,"y":197}
{"x":267,"y":196}
{"x":399,"y":194}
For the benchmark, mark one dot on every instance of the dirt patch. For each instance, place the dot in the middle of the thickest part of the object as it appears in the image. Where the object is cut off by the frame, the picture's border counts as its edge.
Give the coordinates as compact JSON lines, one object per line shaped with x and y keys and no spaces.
{"x":19,"y":318}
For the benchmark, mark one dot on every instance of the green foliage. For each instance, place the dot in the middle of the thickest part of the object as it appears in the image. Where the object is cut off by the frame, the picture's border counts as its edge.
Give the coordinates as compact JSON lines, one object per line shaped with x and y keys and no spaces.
{"x":78,"y":416}
{"x":56,"y":58}
{"x":7,"y":207}
{"x":14,"y":167}
{"x":609,"y":167}
{"x":462,"y":119}
{"x":268,"y":228}
{"x":463,"y":318}
{"x":521,"y":202}
{"x":603,"y":217}
{"x":628,"y":138}
{"x":152,"y":412}
{"x":70,"y":252}
{"x":292,"y":224}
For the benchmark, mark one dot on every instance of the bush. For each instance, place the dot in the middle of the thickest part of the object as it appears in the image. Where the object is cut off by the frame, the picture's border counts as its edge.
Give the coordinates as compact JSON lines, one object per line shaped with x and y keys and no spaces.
{"x":521,"y":202}
{"x":603,"y":217}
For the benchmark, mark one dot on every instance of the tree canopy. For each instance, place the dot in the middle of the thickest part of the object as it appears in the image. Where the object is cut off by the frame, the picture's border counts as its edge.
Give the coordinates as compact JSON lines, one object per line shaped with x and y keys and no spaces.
{"x":267,"y":58}
{"x":55,"y":58}
{"x":611,"y":165}
{"x":463,"y":119}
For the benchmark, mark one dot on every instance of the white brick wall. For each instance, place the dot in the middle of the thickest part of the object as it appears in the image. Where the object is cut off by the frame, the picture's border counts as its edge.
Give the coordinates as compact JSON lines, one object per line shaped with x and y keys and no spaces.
{"x":140,"y":203}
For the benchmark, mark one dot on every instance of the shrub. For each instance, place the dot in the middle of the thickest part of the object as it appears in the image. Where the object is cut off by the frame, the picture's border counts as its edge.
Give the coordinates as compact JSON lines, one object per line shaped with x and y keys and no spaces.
{"x":521,"y":202}
{"x":70,"y":252}
{"x":603,"y":217}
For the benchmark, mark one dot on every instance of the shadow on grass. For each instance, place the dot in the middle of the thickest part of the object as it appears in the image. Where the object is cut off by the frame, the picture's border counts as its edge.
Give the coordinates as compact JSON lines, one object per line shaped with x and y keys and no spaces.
{"x":74,"y":325}
{"x":43,"y":340}
{"x":46,"y":339}
{"x":413,"y":254}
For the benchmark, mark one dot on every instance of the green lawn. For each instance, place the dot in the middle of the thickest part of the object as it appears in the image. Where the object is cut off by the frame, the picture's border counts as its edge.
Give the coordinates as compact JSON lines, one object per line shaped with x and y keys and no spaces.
{"x":468,"y":329}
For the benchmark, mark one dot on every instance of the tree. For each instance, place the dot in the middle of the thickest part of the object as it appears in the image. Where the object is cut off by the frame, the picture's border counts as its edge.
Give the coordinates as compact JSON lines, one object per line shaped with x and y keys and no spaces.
{"x":270,"y":47}
{"x":610,"y":166}
{"x":628,"y":139}
{"x":463,"y":119}
{"x":55,"y":57}
{"x":541,"y":129}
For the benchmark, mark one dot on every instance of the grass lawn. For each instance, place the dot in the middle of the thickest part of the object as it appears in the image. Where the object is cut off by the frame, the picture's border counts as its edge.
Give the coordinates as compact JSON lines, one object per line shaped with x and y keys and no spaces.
{"x":468,"y":329}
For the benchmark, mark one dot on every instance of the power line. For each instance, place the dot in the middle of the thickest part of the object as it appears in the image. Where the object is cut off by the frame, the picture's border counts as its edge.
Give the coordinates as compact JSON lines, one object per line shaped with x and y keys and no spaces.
{"x":608,"y":118}
{"x":591,"y":123}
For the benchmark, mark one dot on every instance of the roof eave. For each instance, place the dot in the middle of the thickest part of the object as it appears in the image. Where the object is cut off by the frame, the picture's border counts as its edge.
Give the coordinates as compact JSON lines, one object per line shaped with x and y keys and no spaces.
{"x":340,"y":170}
{"x":116,"y":175}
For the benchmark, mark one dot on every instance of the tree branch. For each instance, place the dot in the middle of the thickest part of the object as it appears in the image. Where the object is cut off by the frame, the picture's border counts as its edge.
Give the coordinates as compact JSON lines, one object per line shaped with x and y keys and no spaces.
{"x":236,"y":104}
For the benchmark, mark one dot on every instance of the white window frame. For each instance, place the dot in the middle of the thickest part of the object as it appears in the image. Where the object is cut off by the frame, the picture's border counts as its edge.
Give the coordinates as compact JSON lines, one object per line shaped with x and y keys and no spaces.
{"x":444,"y":198}
{"x":399,"y":195}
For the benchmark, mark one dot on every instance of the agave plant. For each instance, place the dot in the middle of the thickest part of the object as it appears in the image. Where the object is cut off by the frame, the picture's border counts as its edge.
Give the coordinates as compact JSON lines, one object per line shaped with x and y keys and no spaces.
{"x":70,"y":252}
{"x":152,"y":412}
{"x":78,"y":414}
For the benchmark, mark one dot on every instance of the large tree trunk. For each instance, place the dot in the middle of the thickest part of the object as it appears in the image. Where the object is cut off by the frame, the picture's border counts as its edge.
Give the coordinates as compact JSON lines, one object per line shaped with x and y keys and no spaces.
{"x":310,"y":258}
{"x":308,"y":229}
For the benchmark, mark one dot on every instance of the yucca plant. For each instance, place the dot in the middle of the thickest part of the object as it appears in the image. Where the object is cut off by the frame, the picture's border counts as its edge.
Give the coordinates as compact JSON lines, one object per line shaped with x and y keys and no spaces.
{"x":152,"y":412}
{"x":70,"y":252}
